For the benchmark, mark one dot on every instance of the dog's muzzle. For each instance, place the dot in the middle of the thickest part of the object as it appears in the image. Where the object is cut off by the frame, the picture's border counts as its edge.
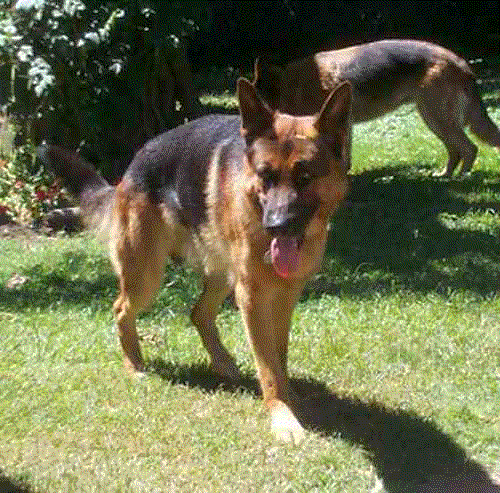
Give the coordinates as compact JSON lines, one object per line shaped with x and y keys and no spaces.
{"x":280,"y":212}
{"x":285,"y":219}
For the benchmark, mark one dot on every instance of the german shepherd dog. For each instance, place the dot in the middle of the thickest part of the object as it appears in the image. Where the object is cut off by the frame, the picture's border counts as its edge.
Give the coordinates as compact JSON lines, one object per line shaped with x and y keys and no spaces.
{"x":245,"y":198}
{"x":384,"y":75}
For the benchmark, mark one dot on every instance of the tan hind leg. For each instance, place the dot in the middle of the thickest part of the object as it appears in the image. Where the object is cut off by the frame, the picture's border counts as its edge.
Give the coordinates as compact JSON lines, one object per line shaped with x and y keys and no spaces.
{"x":445,"y":117}
{"x":468,"y":151}
{"x":215,"y":290}
{"x":138,"y":252}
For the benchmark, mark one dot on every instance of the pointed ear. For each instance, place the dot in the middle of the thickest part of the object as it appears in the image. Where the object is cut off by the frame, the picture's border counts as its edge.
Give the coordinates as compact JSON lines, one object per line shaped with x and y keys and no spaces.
{"x":334,"y":120}
{"x":335,"y":113}
{"x":256,"y":117}
{"x":267,"y":80}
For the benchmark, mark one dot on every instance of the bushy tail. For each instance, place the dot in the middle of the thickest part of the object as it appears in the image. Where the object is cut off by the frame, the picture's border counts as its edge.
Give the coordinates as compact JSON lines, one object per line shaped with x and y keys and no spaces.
{"x":94,"y":194}
{"x":477,"y":116}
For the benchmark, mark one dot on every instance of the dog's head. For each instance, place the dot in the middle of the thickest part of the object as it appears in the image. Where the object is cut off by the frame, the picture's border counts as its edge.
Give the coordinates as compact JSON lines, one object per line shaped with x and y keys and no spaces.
{"x":296,"y":169}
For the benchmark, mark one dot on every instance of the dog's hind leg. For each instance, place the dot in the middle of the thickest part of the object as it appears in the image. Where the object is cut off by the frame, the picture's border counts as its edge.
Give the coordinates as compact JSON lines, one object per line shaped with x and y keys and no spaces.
{"x":138,"y":251}
{"x":468,"y":150}
{"x":125,"y":323}
{"x":446,"y":121}
{"x":215,"y":290}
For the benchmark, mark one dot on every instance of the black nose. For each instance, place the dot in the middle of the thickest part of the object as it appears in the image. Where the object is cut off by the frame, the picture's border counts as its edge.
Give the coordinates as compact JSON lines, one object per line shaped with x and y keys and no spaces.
{"x":288,"y":220}
{"x":281,"y":221}
{"x":278,"y":217}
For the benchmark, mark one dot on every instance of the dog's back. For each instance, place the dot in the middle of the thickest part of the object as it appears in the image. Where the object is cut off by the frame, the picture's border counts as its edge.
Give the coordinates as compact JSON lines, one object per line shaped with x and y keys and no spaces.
{"x":173,"y":167}
{"x":384,"y":75}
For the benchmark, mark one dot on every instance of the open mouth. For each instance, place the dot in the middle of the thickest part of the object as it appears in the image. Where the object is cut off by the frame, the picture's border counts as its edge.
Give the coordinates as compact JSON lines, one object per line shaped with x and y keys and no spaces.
{"x":284,"y":254}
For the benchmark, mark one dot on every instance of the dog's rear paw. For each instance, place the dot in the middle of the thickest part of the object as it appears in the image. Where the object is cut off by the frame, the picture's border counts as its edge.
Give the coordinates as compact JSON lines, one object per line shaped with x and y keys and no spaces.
{"x":444,"y":173}
{"x":285,"y":426}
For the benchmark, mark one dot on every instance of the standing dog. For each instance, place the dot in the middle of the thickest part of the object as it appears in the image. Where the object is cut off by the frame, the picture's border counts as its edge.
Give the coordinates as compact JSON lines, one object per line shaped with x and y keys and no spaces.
{"x":248,"y":200}
{"x":384,"y":75}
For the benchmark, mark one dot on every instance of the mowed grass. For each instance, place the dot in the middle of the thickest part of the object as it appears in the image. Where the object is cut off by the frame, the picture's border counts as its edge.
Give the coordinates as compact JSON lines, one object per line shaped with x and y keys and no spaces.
{"x":395,"y":349}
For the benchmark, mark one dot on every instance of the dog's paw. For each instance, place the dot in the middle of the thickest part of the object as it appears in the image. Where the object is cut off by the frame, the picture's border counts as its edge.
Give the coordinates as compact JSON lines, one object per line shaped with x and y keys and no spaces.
{"x":285,"y":426}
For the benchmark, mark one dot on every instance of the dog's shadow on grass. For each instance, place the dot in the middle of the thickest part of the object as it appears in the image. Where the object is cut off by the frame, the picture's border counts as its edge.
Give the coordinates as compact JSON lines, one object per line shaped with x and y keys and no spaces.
{"x":409,"y":453}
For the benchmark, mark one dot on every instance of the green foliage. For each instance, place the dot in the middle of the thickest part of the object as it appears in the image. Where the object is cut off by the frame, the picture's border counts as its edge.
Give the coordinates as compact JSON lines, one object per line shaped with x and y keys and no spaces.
{"x":27,"y":190}
{"x":103,"y":76}
{"x":51,"y":41}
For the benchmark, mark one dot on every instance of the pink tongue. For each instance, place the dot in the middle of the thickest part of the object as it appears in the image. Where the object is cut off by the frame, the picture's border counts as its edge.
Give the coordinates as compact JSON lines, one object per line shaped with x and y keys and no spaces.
{"x":285,"y":255}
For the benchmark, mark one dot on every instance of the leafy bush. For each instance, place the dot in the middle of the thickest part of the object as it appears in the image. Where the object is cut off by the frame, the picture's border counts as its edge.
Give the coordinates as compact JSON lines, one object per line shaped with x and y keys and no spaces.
{"x":27,"y":191}
{"x":99,"y":76}
{"x":103,"y":76}
{"x":56,"y":51}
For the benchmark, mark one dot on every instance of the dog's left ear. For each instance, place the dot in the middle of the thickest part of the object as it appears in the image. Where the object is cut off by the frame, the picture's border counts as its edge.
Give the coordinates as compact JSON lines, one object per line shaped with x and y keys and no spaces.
{"x":334,"y":119}
{"x":256,"y":117}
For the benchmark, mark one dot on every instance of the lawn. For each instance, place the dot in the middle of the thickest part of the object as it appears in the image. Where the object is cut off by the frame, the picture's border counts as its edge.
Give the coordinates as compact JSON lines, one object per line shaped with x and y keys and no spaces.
{"x":395,"y":349}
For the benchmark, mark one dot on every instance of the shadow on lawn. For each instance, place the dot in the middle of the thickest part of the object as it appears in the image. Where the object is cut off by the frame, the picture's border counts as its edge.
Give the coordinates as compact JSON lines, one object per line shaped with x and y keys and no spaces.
{"x":402,"y":227}
{"x":9,"y":486}
{"x":410,"y":454}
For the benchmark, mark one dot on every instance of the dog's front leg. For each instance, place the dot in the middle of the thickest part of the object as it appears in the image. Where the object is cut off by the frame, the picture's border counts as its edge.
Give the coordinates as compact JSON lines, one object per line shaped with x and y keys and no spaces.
{"x":266,"y":310}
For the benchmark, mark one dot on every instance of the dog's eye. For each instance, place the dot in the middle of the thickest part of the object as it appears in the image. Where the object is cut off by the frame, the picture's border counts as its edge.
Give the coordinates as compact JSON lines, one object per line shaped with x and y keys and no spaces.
{"x":268,"y":176}
{"x":303,"y":179}
{"x":302,"y":175}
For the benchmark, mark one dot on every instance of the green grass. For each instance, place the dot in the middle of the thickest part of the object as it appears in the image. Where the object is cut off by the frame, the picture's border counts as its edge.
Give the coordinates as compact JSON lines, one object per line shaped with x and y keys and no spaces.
{"x":395,"y":348}
{"x":224,"y":101}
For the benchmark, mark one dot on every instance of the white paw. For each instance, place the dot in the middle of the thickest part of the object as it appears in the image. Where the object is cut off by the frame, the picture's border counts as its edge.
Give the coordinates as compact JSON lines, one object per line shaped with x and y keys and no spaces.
{"x":285,"y":426}
{"x":379,"y":486}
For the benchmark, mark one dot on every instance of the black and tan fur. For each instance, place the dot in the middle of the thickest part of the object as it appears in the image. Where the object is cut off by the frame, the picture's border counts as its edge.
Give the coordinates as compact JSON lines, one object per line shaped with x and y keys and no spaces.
{"x":246,"y":199}
{"x":384,"y":75}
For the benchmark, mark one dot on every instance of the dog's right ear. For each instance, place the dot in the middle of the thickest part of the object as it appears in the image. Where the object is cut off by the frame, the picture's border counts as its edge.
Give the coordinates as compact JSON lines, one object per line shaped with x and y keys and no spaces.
{"x":267,"y":80}
{"x":256,"y":117}
{"x":334,"y":121}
